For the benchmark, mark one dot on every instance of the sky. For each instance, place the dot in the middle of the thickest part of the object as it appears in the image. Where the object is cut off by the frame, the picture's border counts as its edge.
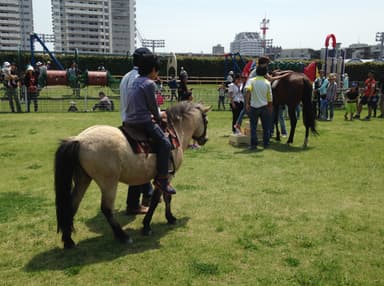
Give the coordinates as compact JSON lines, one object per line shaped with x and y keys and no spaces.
{"x":196,"y":26}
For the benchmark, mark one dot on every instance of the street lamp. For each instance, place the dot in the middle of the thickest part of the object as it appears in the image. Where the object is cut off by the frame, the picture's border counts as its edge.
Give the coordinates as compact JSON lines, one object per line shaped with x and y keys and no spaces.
{"x":380,"y":38}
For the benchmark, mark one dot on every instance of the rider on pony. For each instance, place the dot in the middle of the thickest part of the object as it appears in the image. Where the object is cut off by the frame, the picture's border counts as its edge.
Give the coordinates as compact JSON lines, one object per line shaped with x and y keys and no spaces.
{"x":142,"y":113}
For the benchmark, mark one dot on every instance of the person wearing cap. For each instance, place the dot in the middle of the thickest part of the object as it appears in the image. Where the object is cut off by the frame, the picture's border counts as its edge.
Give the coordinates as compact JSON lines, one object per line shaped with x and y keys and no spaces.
{"x":134,"y":192}
{"x":369,"y":96}
{"x":30,"y":82}
{"x":11,"y":85}
{"x":143,"y":114}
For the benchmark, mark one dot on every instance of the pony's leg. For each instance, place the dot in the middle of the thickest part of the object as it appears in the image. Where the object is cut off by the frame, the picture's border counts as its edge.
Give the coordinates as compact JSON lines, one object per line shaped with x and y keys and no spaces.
{"x":152,"y":207}
{"x":168,"y":214}
{"x":82,"y":181}
{"x":306,"y":137}
{"x":107,"y":205}
{"x":293,"y":120}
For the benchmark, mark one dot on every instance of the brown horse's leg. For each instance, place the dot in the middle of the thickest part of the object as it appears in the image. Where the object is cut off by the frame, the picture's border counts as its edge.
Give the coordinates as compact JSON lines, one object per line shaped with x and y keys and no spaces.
{"x":293,"y":120}
{"x":168,"y":214}
{"x":152,"y":207}
{"x":107,"y":204}
{"x":276,"y":120}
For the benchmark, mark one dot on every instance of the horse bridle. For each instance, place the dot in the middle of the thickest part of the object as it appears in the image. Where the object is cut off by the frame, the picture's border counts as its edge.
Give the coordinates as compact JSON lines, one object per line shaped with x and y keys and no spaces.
{"x":201,"y":139}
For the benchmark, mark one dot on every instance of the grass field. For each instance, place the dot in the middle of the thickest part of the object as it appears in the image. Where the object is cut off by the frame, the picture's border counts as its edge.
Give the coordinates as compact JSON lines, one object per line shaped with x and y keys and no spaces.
{"x":281,"y":216}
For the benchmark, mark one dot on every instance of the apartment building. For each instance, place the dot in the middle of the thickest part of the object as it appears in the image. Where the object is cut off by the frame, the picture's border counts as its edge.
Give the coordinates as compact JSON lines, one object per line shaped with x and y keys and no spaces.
{"x":94,"y":26}
{"x":247,"y":44}
{"x":16,"y":24}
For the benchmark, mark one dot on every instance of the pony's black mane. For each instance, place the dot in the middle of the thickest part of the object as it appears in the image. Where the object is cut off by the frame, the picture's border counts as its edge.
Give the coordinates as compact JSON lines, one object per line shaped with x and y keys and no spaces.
{"x":181,"y":110}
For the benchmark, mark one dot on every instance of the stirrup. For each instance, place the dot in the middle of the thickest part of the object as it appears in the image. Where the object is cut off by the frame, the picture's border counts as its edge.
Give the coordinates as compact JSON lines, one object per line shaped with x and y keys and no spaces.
{"x":164,"y":186}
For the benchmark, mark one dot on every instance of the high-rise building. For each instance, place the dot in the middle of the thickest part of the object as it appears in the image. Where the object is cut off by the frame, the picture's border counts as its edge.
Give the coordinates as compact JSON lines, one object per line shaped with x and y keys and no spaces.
{"x":247,"y":44}
{"x":94,"y":26}
{"x":16,"y":24}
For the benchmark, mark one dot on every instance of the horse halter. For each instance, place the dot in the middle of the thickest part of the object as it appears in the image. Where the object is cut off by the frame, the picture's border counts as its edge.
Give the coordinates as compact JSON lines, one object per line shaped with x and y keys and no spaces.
{"x":201,"y":140}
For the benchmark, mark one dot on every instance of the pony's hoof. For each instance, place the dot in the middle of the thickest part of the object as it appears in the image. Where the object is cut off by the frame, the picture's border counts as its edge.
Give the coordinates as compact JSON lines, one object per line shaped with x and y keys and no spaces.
{"x":146,"y":231}
{"x":171,"y":220}
{"x":70,"y":244}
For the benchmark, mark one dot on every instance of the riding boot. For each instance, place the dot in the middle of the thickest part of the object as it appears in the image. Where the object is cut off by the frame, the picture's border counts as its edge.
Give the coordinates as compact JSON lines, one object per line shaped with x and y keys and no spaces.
{"x":163,"y":184}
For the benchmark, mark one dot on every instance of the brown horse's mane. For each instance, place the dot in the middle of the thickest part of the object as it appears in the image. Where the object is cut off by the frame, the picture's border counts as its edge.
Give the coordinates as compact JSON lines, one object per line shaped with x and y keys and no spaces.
{"x":181,"y":110}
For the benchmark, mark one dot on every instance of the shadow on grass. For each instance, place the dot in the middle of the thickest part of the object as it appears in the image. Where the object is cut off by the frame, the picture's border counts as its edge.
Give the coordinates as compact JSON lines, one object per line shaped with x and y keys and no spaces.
{"x":100,"y":249}
{"x":276,"y":146}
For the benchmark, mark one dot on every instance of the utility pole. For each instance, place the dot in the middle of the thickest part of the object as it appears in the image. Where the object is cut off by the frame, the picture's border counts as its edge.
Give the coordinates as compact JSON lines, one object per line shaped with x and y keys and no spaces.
{"x":264,"y":26}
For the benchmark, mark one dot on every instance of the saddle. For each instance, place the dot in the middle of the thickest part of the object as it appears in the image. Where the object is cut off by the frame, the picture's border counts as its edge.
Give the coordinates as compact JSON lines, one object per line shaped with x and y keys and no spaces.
{"x":141,"y":143}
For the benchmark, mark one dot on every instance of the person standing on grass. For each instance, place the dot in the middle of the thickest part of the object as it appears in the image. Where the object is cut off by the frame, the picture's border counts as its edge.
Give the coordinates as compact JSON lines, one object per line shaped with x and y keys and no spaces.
{"x":11,"y":86}
{"x":328,"y":103}
{"x":351,"y":96}
{"x":369,"y":92}
{"x":236,"y":100}
{"x":134,"y":192}
{"x":258,"y":103}
{"x":381,"y":102}
{"x":30,"y":82}
{"x":221,"y":100}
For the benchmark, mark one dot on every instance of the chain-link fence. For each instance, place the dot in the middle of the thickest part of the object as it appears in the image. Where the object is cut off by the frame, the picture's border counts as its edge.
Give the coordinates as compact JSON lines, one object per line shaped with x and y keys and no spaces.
{"x":63,"y":98}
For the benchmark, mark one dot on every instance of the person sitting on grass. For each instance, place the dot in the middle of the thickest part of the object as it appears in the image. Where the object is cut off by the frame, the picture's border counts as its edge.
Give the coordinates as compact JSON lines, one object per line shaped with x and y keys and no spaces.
{"x":104,"y":103}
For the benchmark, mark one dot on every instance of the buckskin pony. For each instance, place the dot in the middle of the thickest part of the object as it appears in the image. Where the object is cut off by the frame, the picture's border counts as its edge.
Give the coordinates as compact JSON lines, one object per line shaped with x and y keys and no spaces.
{"x":102,"y":153}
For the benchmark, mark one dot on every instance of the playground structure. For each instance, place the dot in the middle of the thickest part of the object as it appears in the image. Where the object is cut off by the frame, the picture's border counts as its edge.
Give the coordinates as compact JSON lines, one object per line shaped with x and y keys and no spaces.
{"x":334,"y":61}
{"x":62,"y":77}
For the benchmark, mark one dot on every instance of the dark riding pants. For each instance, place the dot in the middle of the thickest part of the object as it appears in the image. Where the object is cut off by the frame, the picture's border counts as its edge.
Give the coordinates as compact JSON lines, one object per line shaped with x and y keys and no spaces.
{"x":161,"y":145}
{"x":134,"y":192}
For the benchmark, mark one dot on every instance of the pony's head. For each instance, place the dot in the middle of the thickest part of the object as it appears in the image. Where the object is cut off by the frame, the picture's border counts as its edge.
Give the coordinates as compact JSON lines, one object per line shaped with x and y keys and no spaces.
{"x":197,"y":113}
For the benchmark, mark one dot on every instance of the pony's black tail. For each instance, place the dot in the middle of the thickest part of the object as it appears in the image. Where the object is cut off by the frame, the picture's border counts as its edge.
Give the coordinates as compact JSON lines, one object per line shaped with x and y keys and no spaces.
{"x":309,"y":117}
{"x":66,"y":160}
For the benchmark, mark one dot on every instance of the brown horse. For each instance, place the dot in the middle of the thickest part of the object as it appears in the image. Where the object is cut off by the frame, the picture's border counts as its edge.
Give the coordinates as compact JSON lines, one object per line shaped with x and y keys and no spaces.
{"x":103,"y":154}
{"x":290,"y":89}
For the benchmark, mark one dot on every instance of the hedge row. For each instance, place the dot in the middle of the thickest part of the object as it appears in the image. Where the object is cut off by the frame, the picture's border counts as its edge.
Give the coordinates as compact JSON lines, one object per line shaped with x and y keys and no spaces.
{"x":200,"y":66}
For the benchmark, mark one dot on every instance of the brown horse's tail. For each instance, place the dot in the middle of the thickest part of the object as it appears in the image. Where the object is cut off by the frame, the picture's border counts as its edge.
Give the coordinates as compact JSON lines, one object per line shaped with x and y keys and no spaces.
{"x":309,"y":117}
{"x":66,"y":161}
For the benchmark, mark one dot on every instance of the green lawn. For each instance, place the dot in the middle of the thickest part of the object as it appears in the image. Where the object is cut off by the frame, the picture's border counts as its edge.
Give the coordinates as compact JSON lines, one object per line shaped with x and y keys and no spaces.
{"x":281,"y":216}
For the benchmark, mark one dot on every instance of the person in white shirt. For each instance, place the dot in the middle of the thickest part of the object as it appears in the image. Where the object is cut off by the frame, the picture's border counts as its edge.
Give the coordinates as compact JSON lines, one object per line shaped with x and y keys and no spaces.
{"x":236,"y":99}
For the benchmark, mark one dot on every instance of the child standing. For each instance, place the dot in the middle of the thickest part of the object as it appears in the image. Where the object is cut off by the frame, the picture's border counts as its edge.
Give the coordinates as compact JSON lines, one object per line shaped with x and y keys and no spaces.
{"x":350,"y":101}
{"x":222,"y":92}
